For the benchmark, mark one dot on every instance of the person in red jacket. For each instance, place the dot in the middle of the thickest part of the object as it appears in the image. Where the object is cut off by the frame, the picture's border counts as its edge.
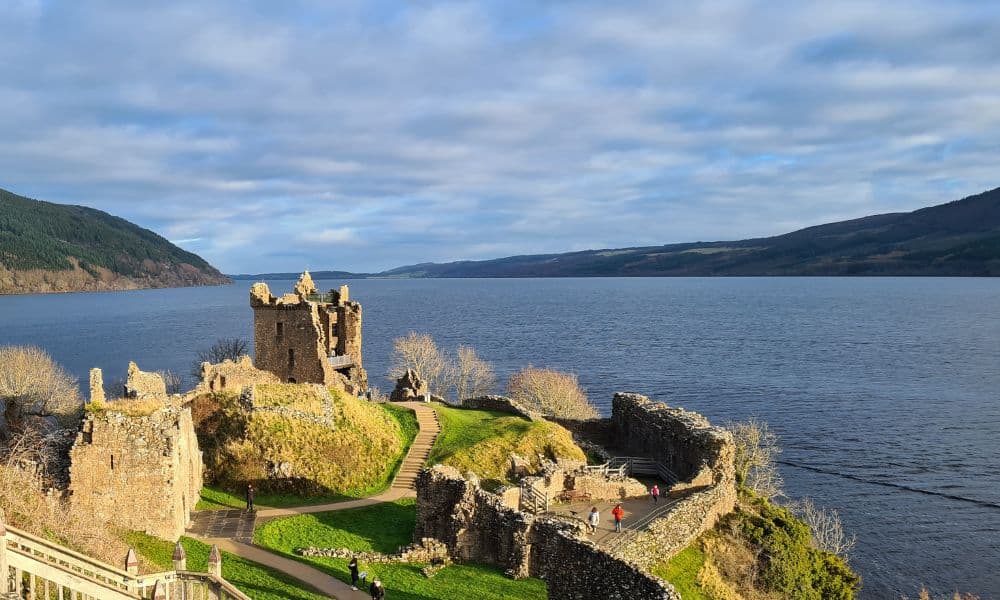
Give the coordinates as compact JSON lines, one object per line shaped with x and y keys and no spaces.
{"x":655,"y":492}
{"x":617,"y":512}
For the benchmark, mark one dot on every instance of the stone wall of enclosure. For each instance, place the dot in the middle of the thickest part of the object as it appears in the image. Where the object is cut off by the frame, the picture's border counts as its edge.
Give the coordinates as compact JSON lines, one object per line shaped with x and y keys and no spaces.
{"x":501,"y":404}
{"x":476,"y":527}
{"x":230,"y":376}
{"x":684,"y":441}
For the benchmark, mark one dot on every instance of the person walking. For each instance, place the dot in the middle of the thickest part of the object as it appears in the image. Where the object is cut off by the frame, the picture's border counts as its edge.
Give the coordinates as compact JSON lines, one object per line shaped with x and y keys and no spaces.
{"x":618,"y":512}
{"x":655,"y":492}
{"x":353,"y":568}
{"x":250,"y":494}
{"x":377,"y":590}
{"x":594,"y":519}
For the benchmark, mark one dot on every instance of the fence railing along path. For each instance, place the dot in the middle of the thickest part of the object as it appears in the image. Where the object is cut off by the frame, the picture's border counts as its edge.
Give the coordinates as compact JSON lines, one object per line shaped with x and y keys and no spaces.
{"x":46,"y":569}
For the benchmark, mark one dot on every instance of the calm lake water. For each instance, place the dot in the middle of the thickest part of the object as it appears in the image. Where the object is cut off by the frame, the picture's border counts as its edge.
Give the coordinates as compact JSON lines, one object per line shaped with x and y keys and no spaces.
{"x":877,"y":384}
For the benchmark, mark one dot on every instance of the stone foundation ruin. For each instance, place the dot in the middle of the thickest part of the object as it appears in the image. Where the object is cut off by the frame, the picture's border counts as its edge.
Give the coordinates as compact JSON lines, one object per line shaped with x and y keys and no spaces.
{"x":479,"y":526}
{"x":309,"y":337}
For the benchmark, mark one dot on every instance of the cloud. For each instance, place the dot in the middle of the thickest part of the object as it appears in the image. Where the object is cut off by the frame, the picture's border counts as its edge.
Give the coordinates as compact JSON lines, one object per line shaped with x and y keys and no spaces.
{"x":360,"y":136}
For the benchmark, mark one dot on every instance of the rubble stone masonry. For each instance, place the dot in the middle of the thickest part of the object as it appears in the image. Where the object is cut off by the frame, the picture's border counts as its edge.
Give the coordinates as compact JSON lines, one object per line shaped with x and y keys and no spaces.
{"x":137,"y":472}
{"x":307,"y":337}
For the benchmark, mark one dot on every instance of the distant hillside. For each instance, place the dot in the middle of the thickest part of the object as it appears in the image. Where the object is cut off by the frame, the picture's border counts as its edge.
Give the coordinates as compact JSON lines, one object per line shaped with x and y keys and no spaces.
{"x":960,"y":238}
{"x":46,"y":247}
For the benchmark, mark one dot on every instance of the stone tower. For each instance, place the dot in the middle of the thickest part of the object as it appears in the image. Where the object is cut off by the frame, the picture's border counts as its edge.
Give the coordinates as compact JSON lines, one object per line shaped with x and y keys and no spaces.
{"x":309,"y":337}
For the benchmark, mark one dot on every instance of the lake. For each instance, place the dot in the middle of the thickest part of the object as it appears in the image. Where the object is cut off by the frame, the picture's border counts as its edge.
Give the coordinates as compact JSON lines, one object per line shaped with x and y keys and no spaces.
{"x":885,"y":392}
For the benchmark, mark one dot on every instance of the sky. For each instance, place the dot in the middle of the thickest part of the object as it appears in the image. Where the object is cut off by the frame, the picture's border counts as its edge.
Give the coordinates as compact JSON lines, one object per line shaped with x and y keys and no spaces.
{"x":360,"y":136}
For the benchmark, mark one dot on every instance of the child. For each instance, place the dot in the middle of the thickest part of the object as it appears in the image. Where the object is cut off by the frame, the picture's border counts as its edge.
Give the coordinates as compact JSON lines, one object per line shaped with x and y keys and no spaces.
{"x":594,"y":519}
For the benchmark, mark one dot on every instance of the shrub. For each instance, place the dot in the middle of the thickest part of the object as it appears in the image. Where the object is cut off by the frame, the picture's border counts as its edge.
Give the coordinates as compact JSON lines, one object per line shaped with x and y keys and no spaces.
{"x":551,"y":393}
{"x":789,"y":563}
{"x":31,"y":383}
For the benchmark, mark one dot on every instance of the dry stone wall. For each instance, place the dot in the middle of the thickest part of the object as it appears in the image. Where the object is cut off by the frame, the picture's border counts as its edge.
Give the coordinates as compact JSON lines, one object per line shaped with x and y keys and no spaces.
{"x":698,"y":453}
{"x":501,"y":404}
{"x":476,"y":526}
{"x":233,"y":376}
{"x":137,"y":472}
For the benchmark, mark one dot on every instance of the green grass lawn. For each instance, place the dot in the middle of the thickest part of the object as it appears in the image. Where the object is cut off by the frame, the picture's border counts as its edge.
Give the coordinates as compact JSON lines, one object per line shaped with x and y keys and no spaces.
{"x":384,"y":528}
{"x":682,"y":572}
{"x":215,"y":498}
{"x":482,"y":441}
{"x":257,"y":581}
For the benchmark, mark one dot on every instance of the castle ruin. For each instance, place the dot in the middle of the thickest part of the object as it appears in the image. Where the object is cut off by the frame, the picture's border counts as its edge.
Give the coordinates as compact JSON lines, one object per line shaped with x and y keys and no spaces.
{"x":309,"y":337}
{"x":136,"y":462}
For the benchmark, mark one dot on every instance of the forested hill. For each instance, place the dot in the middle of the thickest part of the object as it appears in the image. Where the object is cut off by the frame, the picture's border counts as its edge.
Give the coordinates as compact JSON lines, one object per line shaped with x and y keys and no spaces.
{"x":46,"y":247}
{"x":960,"y":238}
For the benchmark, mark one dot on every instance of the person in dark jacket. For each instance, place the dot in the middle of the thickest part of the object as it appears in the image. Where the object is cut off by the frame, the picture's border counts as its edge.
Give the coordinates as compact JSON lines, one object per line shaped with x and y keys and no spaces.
{"x":250,"y":492}
{"x":377,"y":590}
{"x":353,"y":567}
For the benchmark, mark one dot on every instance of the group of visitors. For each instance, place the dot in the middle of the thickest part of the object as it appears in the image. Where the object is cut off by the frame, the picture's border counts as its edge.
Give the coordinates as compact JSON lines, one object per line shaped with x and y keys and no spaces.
{"x":377,"y":590}
{"x":594,"y":518}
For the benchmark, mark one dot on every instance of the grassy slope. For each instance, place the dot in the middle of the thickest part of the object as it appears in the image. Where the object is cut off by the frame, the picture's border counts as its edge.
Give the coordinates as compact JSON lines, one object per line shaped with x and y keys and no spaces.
{"x":358,"y":458}
{"x":682,"y":572}
{"x":482,"y":441}
{"x":257,"y":581}
{"x":384,"y":528}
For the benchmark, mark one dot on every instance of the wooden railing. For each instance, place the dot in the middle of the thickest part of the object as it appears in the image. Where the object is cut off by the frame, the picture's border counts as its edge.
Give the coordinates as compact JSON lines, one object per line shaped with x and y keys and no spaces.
{"x":638,"y":465}
{"x":533,"y":499}
{"x":40,"y":567}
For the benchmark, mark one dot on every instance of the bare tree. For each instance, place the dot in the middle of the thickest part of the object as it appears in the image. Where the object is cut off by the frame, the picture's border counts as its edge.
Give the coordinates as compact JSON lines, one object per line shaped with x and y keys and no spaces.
{"x":223,"y":349}
{"x":172,"y":381}
{"x":826,"y":528}
{"x":419,"y":352}
{"x":31,"y":383}
{"x":757,"y":451}
{"x":473,"y":376}
{"x":550,"y":392}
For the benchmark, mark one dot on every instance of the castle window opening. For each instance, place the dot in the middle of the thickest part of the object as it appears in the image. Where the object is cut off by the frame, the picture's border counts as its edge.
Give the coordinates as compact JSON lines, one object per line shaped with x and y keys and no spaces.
{"x":222,"y":381}
{"x":280,"y":329}
{"x":291,"y":380}
{"x":112,"y":462}
{"x":291,"y":358}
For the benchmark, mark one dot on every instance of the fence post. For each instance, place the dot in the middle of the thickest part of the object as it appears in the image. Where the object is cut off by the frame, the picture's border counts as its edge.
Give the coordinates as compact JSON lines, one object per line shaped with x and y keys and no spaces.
{"x":179,"y":558}
{"x":215,"y":562}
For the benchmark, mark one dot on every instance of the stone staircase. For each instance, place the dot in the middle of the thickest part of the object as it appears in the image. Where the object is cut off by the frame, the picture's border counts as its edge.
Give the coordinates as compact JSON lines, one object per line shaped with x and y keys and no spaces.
{"x":420,"y":449}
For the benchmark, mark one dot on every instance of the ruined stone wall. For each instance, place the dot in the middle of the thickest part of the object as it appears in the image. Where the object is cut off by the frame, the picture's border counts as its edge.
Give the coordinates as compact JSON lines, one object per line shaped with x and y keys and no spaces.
{"x":684,"y":441}
{"x":476,"y":526}
{"x":137,"y":472}
{"x":501,"y":404}
{"x":229,"y":376}
{"x":143,"y":385}
{"x":670,"y":534}
{"x":577,"y":569}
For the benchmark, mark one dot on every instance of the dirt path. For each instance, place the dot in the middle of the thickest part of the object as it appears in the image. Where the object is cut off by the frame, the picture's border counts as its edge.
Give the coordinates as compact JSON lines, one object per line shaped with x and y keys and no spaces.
{"x":236,"y":520}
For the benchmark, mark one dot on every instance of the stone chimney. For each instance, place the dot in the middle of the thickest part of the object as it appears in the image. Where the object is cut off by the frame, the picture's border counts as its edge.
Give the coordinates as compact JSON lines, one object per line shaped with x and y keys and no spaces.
{"x":131,"y":563}
{"x":96,"y":386}
{"x":215,"y":562}
{"x":180,"y":558}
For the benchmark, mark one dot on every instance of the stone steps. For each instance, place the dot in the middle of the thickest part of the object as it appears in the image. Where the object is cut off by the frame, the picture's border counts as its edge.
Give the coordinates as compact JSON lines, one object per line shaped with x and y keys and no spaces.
{"x":420,"y":449}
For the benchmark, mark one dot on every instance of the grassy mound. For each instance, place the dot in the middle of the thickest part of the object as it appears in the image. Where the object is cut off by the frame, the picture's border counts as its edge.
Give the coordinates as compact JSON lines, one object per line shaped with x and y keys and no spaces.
{"x":291,"y":459}
{"x":383,"y":528}
{"x":482,"y":441}
{"x":759,"y":551}
{"x":257,"y":581}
